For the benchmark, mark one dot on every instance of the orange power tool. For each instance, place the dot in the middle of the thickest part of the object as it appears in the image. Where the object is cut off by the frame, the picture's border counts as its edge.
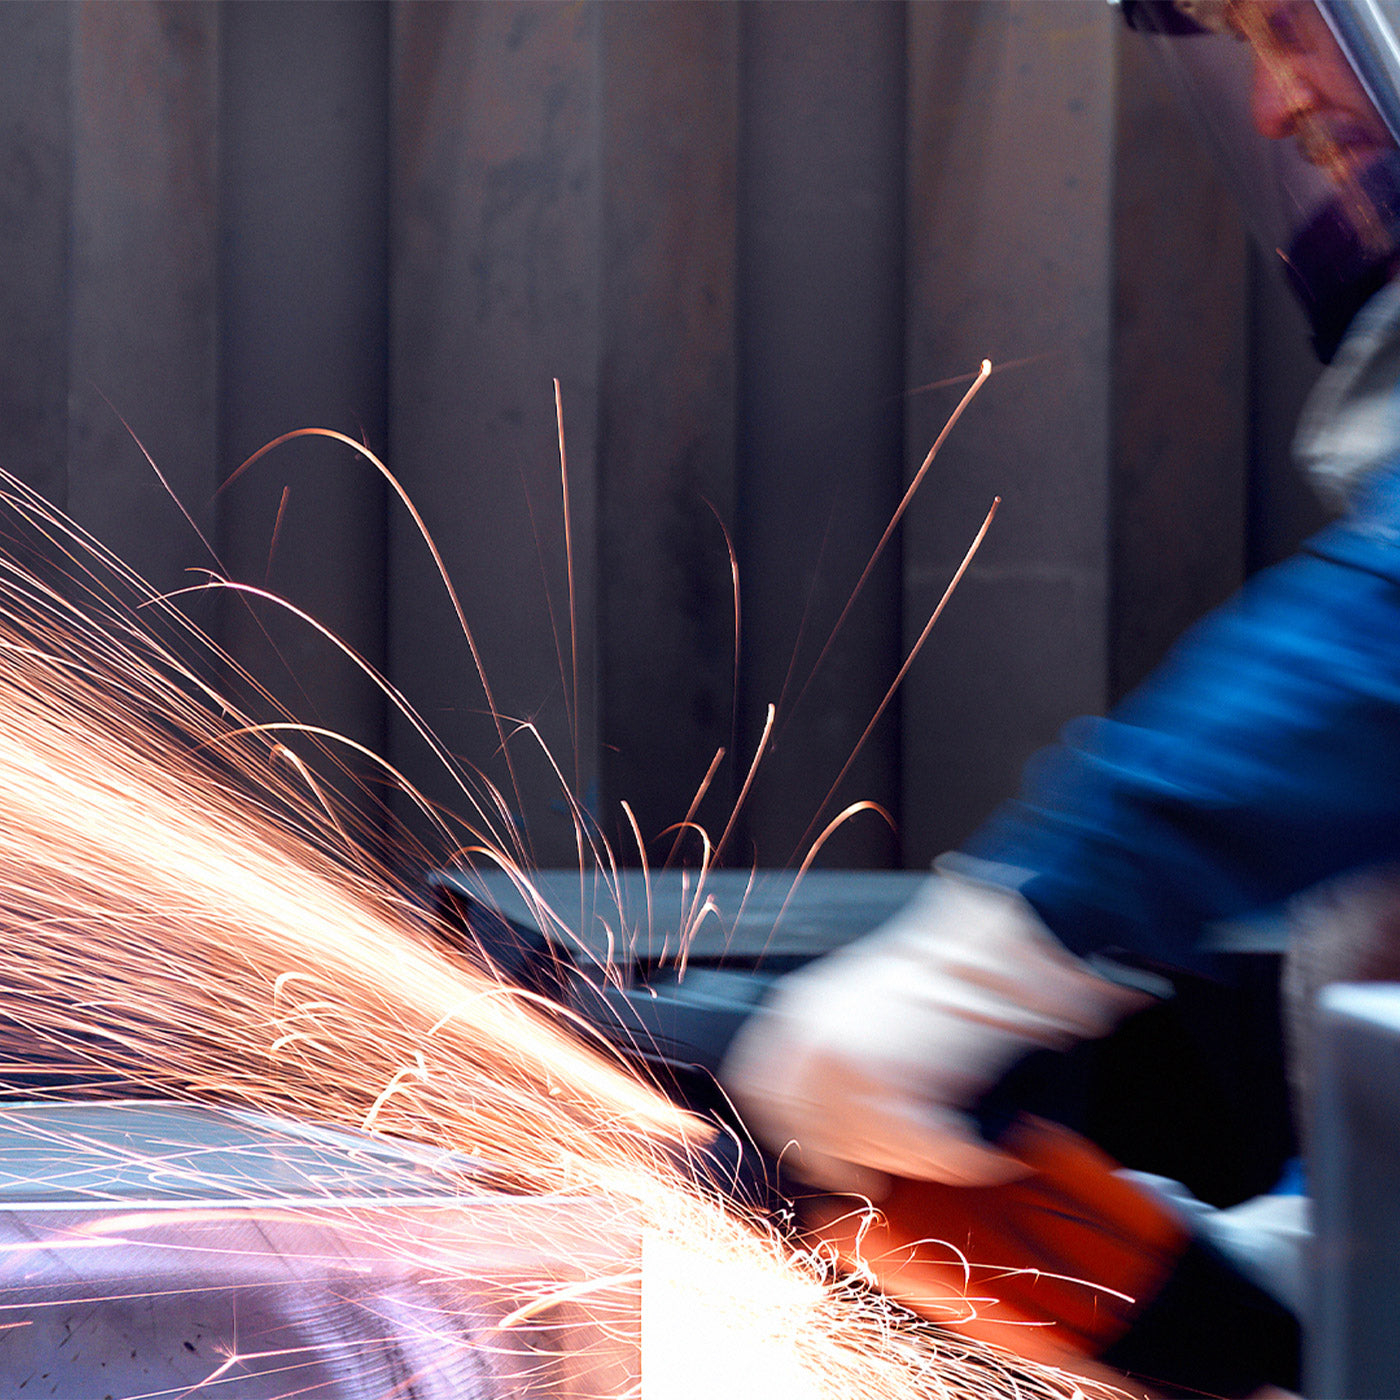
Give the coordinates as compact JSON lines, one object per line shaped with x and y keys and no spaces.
{"x":1072,"y":1263}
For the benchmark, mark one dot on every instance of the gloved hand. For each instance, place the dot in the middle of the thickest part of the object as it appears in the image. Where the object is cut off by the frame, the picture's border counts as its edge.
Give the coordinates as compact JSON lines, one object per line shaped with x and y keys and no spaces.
{"x":861,"y":1065}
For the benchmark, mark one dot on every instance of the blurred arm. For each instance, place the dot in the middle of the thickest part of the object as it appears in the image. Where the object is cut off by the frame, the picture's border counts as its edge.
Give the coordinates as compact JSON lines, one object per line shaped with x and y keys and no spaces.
{"x":1261,"y":758}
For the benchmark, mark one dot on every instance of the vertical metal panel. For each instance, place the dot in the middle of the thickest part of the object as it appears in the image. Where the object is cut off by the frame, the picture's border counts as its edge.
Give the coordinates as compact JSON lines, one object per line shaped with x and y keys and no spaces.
{"x":1179,"y":444}
{"x":35,"y":189}
{"x":666,"y":406}
{"x":142,"y":279}
{"x":1283,"y":508}
{"x":821,"y":326}
{"x":1353,"y":1277}
{"x":1010,"y":172}
{"x":728,"y":230}
{"x":303,"y":195}
{"x":495,"y":286}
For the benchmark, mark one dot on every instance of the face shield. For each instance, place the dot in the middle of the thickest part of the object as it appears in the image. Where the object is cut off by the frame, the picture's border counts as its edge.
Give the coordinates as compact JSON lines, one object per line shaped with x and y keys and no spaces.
{"x":1301,"y":102}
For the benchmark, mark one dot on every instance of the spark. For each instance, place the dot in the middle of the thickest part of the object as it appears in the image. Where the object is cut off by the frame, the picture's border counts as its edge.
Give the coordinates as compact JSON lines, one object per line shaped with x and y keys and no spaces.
{"x":908,"y":661}
{"x":734,"y":592}
{"x":276,"y":534}
{"x":957,"y":379}
{"x":759,"y":750}
{"x":983,"y":374}
{"x":181,"y":915}
{"x":687,"y":822}
{"x":572,"y":698}
{"x":444,"y":577}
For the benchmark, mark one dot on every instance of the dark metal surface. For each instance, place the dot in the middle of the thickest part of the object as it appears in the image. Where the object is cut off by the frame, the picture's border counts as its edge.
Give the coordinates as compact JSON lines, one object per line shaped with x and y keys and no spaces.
{"x":747,"y":239}
{"x":820,"y":329}
{"x":143,"y":1151}
{"x":159,"y":1248}
{"x":736,"y":916}
{"x":668,"y":143}
{"x":303,"y":229}
{"x":664,"y":967}
{"x":1354,"y":1148}
{"x":1180,"y":432}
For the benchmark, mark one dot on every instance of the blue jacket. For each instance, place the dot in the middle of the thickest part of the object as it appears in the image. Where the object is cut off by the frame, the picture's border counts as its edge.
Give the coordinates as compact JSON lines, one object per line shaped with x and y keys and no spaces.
{"x":1262,"y":757}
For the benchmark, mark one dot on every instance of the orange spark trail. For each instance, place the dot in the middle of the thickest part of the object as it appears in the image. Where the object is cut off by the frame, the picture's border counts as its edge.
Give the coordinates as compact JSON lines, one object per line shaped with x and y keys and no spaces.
{"x":759,"y":751}
{"x":572,"y":699}
{"x":983,"y":374}
{"x":179,"y":912}
{"x":276,"y":534}
{"x":904,"y":669}
{"x":738,"y":614}
{"x":444,"y":577}
{"x":687,"y":822}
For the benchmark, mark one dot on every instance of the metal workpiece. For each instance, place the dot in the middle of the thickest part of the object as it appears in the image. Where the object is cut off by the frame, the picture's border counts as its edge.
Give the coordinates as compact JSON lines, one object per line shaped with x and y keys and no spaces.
{"x":666,"y":965}
{"x":151,"y":1248}
{"x":742,"y":918}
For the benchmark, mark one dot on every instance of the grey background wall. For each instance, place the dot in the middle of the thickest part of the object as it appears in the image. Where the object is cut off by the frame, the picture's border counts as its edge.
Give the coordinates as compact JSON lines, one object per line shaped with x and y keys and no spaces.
{"x":763,"y":247}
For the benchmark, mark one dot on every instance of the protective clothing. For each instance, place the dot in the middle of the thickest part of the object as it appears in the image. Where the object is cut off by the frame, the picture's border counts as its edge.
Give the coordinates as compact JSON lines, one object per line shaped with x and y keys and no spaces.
{"x":861,"y":1064}
{"x":1301,"y":99}
{"x":1262,"y":758}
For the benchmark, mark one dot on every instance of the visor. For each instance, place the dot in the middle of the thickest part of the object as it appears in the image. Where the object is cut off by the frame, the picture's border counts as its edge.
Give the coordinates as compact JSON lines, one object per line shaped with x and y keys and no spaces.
{"x":1300,"y":100}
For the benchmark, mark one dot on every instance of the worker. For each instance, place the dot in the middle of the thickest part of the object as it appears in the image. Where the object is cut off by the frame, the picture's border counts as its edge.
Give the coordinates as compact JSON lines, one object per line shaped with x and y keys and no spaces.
{"x":1262,"y":758}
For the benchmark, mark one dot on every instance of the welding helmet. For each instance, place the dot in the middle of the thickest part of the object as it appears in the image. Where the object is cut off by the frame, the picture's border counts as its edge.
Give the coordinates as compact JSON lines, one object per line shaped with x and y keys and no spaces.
{"x":1301,"y":103}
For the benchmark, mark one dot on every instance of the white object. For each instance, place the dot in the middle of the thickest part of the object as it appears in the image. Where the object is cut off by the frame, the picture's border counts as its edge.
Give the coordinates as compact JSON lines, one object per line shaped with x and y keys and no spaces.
{"x":862,"y":1064}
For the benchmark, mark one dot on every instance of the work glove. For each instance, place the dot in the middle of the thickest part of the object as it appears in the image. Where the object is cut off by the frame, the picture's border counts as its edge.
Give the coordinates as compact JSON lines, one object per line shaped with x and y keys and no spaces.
{"x":862,"y":1065}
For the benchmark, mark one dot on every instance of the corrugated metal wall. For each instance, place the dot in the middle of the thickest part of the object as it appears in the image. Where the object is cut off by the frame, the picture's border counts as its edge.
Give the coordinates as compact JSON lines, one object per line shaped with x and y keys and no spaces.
{"x":763,"y":247}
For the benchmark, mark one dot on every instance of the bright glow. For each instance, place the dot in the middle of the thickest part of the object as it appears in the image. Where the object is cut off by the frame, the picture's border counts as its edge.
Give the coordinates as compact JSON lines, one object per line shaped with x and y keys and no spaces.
{"x":180,"y":913}
{"x":709,"y":1322}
